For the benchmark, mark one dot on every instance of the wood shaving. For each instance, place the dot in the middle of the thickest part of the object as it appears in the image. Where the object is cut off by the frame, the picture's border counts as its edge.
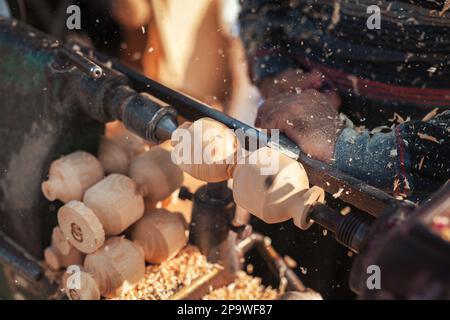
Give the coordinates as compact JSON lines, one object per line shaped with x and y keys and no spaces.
{"x":445,"y":8}
{"x":422,"y":160}
{"x":291,"y":263}
{"x":245,"y":287}
{"x":397,"y":118}
{"x":338,"y":194}
{"x":424,"y":136}
{"x":162,"y":281}
{"x":431,"y":114}
{"x":345,"y":211}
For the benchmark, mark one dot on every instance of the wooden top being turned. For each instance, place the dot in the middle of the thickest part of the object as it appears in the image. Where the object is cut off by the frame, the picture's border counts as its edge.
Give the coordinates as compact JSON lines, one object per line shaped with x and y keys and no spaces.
{"x":267,"y":184}
{"x":81,"y":227}
{"x":206,"y":150}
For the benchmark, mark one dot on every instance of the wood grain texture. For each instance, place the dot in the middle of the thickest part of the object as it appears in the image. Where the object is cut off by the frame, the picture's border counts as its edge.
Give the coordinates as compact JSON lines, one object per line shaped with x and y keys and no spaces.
{"x":156,"y":175}
{"x":116,"y":202}
{"x":211,"y":150}
{"x":275,"y":196}
{"x":112,"y":270}
{"x":81,"y":227}
{"x":162,"y":234}
{"x":70,"y":176}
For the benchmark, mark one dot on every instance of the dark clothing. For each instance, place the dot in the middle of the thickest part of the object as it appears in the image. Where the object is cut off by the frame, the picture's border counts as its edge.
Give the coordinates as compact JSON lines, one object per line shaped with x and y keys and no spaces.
{"x":403,"y":68}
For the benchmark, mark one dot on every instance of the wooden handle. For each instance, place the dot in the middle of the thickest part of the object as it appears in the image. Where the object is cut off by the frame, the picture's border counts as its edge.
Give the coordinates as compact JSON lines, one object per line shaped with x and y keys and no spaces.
{"x":81,"y":227}
{"x":269,"y":195}
{"x":210,"y":152}
{"x":116,"y":202}
{"x":71,"y":176}
{"x":162,"y":234}
{"x":156,"y":175}
{"x":116,"y":267}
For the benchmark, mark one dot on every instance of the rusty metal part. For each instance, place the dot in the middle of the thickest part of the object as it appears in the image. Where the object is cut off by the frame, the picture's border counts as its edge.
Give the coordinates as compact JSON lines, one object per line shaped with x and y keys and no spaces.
{"x":275,"y":262}
{"x":210,"y":231}
{"x":351,"y":230}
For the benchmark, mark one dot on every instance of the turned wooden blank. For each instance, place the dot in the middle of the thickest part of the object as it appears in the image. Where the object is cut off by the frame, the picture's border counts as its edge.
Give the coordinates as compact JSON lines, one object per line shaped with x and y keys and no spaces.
{"x":156,"y":175}
{"x":113,"y":157}
{"x":276,"y":197}
{"x":110,"y":271}
{"x":61,"y":253}
{"x":213,"y":149}
{"x":116,"y":202}
{"x":56,"y":260}
{"x":110,"y":207}
{"x":118,"y":148}
{"x":70,"y":176}
{"x":81,"y":227}
{"x":162,"y":234}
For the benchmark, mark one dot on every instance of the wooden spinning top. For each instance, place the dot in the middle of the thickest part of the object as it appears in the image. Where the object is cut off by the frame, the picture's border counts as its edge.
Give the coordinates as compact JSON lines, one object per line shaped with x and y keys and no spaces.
{"x":275,"y":196}
{"x":110,"y":271}
{"x":110,"y":207}
{"x":61,"y":254}
{"x":156,"y":175}
{"x":207,"y":150}
{"x":162,"y":234}
{"x":70,"y":176}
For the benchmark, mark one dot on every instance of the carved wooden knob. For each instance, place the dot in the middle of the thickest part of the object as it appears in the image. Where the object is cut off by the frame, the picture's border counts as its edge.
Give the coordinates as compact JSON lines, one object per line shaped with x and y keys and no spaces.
{"x":116,"y":202}
{"x":156,"y":175}
{"x":111,"y":271}
{"x":162,"y":234}
{"x":109,"y":207}
{"x":81,"y":227}
{"x":61,"y":253}
{"x":71,"y":176}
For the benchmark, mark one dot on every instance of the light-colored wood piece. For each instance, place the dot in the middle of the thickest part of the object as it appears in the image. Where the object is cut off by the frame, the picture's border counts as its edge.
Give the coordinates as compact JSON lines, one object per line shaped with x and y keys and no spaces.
{"x":110,"y":271}
{"x":60,"y":241}
{"x":70,"y":176}
{"x":305,"y":200}
{"x":208,"y":149}
{"x":113,"y":157}
{"x":61,"y":253}
{"x":162,"y":234}
{"x":56,"y":260}
{"x":276,"y":197}
{"x":81,"y":227}
{"x":155,"y":174}
{"x":119,"y":147}
{"x":116,"y":202}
